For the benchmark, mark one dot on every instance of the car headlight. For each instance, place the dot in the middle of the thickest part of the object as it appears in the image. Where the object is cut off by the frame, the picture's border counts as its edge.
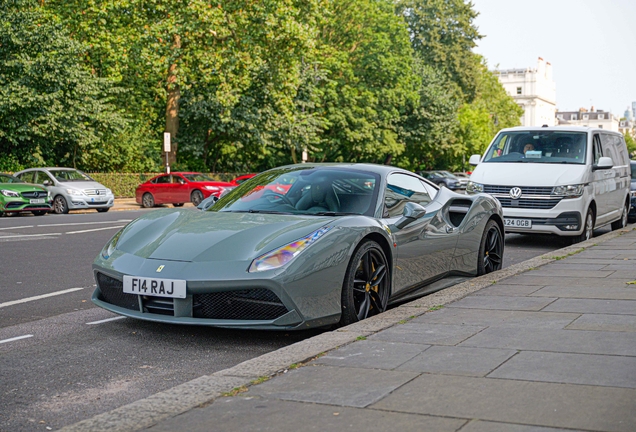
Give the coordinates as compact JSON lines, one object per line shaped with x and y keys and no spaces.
{"x":109,"y":192}
{"x":569,"y":191}
{"x":110,"y":247}
{"x":74,"y":192}
{"x":284,"y":254}
{"x":211,"y":188}
{"x":9,"y":193}
{"x":474,"y":188}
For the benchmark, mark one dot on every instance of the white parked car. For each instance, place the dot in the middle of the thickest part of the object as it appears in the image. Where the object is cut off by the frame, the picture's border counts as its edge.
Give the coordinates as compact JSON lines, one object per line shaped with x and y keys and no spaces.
{"x":71,"y":189}
{"x":556,"y":180}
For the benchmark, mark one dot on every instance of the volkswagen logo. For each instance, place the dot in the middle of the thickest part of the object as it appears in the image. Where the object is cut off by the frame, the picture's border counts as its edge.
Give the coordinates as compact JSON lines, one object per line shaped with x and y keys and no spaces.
{"x":515,"y":193}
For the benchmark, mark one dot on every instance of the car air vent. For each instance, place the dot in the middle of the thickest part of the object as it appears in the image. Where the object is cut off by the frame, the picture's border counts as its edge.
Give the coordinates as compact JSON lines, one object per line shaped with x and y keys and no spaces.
{"x":112,"y":292}
{"x":250,"y":304}
{"x":457,"y":211}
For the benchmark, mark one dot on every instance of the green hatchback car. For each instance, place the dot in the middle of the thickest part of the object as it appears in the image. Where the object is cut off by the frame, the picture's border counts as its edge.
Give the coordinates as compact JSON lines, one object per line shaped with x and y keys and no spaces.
{"x":17,"y":196}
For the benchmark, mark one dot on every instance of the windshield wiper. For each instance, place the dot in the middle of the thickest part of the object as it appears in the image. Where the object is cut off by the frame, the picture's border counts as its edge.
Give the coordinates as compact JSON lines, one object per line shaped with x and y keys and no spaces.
{"x":330,"y":213}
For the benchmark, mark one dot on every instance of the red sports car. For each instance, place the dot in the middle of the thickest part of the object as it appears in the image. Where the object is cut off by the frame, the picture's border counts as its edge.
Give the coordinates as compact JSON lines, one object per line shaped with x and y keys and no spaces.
{"x":178,"y":188}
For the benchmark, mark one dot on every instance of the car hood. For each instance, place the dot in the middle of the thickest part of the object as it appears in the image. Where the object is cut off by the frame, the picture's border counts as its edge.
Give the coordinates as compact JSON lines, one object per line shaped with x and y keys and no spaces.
{"x":81,"y":185}
{"x":187,"y":235}
{"x":528,"y":174}
{"x":21,"y":187}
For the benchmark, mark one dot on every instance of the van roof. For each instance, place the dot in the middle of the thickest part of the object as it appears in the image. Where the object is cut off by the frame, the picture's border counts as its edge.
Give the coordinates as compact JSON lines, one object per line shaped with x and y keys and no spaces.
{"x":558,"y":128}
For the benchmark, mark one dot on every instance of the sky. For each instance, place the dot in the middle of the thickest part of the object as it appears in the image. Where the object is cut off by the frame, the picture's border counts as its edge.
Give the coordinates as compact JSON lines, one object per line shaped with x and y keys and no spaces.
{"x":591,"y":45}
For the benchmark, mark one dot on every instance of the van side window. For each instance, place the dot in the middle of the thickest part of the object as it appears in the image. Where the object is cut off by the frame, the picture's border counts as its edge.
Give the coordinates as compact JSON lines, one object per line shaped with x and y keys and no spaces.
{"x":609,"y":149}
{"x":597,"y":150}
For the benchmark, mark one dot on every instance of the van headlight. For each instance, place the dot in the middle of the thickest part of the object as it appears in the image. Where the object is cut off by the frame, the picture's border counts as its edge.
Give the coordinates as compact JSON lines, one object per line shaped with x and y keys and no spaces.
{"x":474,"y":188}
{"x":569,"y":191}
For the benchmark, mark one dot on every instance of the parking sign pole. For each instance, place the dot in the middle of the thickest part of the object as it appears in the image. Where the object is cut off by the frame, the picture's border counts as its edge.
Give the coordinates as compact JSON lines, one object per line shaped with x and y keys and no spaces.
{"x":166,"y":148}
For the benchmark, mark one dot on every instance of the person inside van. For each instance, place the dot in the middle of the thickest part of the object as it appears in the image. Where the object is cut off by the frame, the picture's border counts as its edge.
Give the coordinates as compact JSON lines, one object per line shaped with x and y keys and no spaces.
{"x":528,"y":147}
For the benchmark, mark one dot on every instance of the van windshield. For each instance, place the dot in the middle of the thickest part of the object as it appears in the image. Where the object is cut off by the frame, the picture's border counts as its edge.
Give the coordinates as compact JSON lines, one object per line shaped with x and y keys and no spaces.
{"x":538,"y":147}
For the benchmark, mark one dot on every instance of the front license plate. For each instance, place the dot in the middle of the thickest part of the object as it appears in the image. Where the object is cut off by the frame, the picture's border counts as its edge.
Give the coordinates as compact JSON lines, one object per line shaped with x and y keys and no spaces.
{"x":37,"y":201}
{"x":173,"y":288}
{"x":518,"y":223}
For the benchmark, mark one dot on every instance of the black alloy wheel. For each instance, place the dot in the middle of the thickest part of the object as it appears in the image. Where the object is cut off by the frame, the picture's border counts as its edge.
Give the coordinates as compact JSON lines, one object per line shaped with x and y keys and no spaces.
{"x":196,"y":197}
{"x":491,"y":249}
{"x":147,"y":200}
{"x":60,"y":206}
{"x":367,"y":284}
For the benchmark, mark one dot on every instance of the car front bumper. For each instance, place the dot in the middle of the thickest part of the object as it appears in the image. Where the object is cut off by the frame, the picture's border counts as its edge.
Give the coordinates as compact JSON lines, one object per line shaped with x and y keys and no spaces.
{"x":16,"y":205}
{"x":564,"y":219}
{"x":76,"y":202}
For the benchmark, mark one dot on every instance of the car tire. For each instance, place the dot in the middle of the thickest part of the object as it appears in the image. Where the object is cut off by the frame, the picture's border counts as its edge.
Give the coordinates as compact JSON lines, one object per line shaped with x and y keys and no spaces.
{"x":60,"y":206}
{"x":178,"y":205}
{"x":588,"y":230}
{"x":147,"y":200}
{"x":491,"y":249}
{"x":622,"y":222}
{"x":196,"y":197}
{"x":103,"y":210}
{"x":39,"y":212}
{"x":367,"y":284}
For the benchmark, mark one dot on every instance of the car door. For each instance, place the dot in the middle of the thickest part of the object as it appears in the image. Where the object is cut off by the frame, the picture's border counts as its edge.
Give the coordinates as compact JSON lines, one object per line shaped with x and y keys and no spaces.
{"x":179,"y":190}
{"x":425,"y":247}
{"x":161,"y":189}
{"x":602,"y":181}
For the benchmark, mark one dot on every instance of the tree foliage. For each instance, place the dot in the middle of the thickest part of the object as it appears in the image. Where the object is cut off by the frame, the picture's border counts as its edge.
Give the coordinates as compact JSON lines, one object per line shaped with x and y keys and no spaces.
{"x":52,"y":110}
{"x":246,"y":85}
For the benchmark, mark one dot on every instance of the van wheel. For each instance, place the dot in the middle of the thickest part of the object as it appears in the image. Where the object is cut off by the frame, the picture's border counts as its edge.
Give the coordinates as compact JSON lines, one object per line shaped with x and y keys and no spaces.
{"x":622,"y":222}
{"x":588,"y":230}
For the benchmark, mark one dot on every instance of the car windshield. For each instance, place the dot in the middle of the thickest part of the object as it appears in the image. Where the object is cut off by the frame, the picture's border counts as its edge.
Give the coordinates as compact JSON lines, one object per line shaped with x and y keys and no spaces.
{"x":560,"y":147}
{"x":70,"y":175}
{"x":7,"y":178}
{"x":198,"y":177}
{"x":310,"y":190}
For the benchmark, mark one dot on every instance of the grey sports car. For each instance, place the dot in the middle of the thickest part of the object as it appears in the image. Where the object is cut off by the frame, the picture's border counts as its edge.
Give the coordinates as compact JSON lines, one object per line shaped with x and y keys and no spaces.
{"x":300,"y":246}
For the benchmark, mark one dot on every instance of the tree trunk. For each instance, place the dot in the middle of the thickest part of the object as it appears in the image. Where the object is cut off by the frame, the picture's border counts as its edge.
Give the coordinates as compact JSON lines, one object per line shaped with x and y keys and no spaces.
{"x":172,"y":105}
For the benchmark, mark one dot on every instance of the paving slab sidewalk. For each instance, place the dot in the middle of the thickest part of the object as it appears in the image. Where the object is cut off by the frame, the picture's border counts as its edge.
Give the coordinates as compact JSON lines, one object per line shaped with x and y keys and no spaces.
{"x":545,"y":345}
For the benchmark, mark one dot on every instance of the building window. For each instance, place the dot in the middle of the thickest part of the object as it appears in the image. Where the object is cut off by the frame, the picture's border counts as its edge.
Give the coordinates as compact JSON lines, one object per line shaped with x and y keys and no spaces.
{"x":600,"y":126}
{"x":601,"y":116}
{"x":586,"y":116}
{"x":518,"y":90}
{"x":573,"y":117}
{"x":560,"y":116}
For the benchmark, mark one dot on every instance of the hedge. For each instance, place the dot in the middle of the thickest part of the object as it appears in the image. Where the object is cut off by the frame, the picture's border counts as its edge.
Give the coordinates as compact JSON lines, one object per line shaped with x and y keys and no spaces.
{"x":123,"y":185}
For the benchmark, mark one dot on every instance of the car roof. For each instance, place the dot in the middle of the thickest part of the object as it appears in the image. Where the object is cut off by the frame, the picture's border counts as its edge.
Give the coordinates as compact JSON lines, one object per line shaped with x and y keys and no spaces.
{"x":556,"y":129}
{"x":376,"y":168}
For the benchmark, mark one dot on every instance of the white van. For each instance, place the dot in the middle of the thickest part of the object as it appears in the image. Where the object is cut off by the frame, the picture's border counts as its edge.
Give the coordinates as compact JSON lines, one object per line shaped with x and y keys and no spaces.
{"x":556,"y":180}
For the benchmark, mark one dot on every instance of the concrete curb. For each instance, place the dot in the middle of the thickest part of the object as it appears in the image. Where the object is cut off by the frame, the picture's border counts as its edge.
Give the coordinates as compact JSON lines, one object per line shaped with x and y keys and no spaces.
{"x":204,"y":390}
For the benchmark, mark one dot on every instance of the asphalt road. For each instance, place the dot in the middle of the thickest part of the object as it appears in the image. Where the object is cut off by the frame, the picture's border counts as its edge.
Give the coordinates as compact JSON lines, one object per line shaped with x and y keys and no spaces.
{"x":63,"y":360}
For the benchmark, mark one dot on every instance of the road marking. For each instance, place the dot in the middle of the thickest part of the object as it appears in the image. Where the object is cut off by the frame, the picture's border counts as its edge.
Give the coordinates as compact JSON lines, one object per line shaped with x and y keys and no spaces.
{"x":95,"y":229}
{"x":29,"y":235}
{"x":28,"y":299}
{"x":106,"y":320}
{"x":85,"y":223}
{"x":15,"y":339}
{"x":18,"y":227}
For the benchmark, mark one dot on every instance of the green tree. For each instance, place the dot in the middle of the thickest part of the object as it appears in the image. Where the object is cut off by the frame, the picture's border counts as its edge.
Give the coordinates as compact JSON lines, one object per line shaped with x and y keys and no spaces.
{"x":52,"y":109}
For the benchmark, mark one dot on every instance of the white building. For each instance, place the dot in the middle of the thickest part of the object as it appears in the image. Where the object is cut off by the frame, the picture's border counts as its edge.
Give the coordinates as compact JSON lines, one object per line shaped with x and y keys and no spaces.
{"x":592,"y":118}
{"x":534,"y":90}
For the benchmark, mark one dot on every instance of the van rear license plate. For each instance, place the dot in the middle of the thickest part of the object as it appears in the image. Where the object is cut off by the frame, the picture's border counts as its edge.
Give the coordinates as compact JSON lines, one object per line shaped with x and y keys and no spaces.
{"x":172,"y":288}
{"x":518,"y":223}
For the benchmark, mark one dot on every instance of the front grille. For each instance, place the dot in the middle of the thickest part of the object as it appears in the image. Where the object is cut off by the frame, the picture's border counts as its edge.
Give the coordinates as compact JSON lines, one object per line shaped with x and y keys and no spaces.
{"x":529,"y":203}
{"x":158,"y":305}
{"x":525,"y":190}
{"x":249,"y":304}
{"x":34,"y":194}
{"x":97,"y":203}
{"x":95,"y":192}
{"x":113,"y":292}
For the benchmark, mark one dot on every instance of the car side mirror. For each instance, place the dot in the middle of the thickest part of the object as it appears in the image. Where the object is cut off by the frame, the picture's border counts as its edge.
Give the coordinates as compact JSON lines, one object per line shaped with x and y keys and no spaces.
{"x":410,"y":214}
{"x":474,"y":160}
{"x":603,"y":163}
{"x":47,"y":183}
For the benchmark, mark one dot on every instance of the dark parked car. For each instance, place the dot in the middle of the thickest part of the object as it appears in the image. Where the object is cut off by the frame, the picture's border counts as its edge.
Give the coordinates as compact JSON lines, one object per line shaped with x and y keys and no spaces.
{"x":308,"y":245}
{"x":632,"y":210}
{"x":445,"y":178}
